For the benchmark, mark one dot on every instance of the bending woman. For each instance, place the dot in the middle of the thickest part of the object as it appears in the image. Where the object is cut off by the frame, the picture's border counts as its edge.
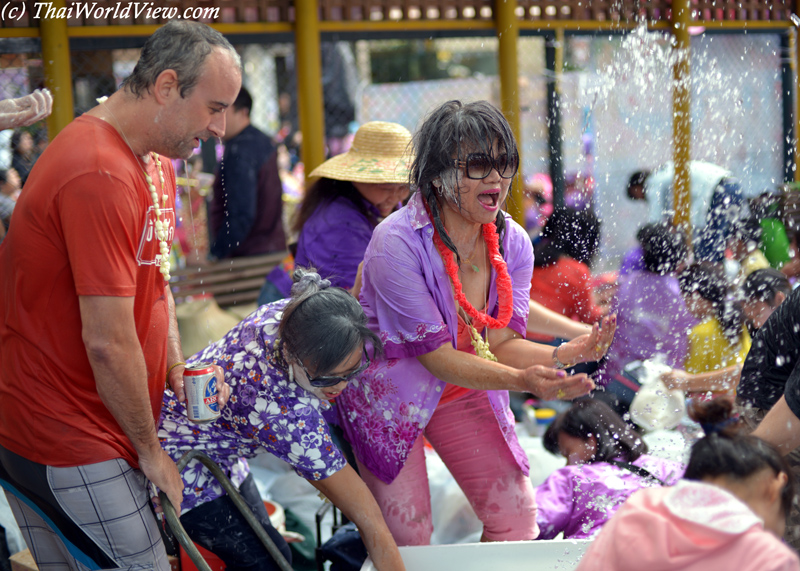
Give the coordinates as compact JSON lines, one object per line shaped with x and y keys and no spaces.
{"x":284,"y":363}
{"x":447,"y":286}
{"x":605,"y":459}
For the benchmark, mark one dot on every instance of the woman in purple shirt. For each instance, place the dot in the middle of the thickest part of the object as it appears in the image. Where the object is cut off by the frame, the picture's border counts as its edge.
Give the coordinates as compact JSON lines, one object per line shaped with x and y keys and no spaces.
{"x":357,"y":190}
{"x":284,"y":363}
{"x":606,"y":463}
{"x":451,"y":250}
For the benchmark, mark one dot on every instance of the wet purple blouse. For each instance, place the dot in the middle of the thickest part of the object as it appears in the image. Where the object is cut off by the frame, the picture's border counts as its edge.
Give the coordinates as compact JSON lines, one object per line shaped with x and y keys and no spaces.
{"x":409,"y":302}
{"x":652,"y":319}
{"x":334,"y":238}
{"x":579,"y":499}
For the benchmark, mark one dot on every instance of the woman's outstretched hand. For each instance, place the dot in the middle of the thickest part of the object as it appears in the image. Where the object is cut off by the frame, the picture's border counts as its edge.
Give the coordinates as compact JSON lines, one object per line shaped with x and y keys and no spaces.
{"x":592,"y":346}
{"x":554,"y":384}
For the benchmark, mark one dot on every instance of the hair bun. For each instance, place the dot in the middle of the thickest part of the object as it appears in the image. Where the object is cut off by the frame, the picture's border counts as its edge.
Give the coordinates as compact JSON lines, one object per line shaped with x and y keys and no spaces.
{"x":308,"y":280}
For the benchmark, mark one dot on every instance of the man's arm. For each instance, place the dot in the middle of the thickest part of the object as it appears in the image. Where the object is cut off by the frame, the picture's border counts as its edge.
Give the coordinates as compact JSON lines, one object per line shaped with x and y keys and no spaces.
{"x":109,"y":334}
{"x":174,"y":351}
{"x":780,"y":427}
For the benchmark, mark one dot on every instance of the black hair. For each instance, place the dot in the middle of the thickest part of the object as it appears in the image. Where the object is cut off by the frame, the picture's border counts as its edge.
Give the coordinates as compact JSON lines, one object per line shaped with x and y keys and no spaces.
{"x":16,"y":138}
{"x":636,"y":179}
{"x":588,"y":417}
{"x":328,"y":190}
{"x":764,"y":285}
{"x":323,"y":325}
{"x":568,"y":232}
{"x":708,"y":280}
{"x":3,"y":176}
{"x":664,"y":248}
{"x":243,"y":101}
{"x":726,"y":449}
{"x":182,"y":46}
{"x":747,"y":230}
{"x":451,"y":132}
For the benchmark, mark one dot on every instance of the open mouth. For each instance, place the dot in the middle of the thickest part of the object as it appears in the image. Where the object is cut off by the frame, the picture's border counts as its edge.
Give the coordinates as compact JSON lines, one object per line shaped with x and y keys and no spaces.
{"x":489,"y":200}
{"x":332,"y":394}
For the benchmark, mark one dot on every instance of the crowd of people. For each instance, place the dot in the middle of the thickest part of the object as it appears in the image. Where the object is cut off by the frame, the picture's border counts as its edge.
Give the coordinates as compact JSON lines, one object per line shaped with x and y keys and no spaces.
{"x":415,"y":304}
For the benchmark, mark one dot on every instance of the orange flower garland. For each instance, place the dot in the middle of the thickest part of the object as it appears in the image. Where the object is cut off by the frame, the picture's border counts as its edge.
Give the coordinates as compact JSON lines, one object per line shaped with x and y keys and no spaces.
{"x":505,"y":293}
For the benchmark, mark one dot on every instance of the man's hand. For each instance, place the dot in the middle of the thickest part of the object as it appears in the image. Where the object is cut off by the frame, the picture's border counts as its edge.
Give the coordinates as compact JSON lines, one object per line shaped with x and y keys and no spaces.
{"x":553,"y":384}
{"x":162,"y":471}
{"x":27,"y":110}
{"x":176,"y":384}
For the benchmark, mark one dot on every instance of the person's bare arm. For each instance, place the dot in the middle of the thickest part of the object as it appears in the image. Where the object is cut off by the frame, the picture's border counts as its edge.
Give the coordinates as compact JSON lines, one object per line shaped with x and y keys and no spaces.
{"x":544,"y":321}
{"x":780,"y":427}
{"x":719,"y":381}
{"x":117,"y":361}
{"x":350,"y":494}
{"x":25,"y":110}
{"x":473,"y":372}
{"x":175,"y":355}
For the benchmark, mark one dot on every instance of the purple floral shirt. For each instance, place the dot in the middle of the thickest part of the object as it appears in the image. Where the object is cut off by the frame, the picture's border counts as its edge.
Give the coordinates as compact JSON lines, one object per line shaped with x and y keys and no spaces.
{"x":579,"y":499}
{"x":409,"y":302}
{"x":266,"y":413}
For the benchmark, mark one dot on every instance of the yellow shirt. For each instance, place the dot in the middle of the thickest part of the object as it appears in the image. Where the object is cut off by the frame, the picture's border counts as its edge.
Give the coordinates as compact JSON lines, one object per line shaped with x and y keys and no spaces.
{"x":710,"y":350}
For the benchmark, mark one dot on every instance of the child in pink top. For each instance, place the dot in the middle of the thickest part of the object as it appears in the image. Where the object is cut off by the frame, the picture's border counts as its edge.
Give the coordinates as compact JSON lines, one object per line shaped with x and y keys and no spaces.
{"x":729,"y":512}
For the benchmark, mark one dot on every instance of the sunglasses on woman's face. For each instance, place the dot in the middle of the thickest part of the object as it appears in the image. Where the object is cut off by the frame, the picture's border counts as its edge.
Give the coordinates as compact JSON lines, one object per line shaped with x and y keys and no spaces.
{"x":477,"y":166}
{"x":333,"y":380}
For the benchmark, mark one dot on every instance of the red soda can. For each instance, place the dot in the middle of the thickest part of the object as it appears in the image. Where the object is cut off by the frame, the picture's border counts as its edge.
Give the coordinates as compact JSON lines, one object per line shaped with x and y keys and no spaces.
{"x":200,"y":386}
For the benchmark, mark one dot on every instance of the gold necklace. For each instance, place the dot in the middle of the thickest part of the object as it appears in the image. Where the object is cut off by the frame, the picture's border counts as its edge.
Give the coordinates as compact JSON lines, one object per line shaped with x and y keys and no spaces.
{"x":162,"y":259}
{"x":479,"y":344}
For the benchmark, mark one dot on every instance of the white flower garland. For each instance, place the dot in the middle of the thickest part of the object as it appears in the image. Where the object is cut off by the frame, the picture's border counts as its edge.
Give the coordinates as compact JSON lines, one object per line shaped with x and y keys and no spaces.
{"x":161,"y":226}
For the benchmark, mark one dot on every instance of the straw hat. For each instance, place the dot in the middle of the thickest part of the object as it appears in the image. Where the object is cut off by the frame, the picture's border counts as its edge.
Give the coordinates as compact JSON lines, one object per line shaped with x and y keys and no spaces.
{"x":380,"y":153}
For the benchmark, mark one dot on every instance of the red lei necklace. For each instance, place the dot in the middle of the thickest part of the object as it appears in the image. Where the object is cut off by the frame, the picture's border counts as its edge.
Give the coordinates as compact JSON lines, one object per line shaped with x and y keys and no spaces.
{"x":505,"y":293}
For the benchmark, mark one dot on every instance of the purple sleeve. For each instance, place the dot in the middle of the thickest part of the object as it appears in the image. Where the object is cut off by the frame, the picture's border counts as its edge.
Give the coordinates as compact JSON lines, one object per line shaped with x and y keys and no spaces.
{"x":519,"y":254}
{"x":554,"y":500}
{"x":399,"y":297}
{"x":333,"y":240}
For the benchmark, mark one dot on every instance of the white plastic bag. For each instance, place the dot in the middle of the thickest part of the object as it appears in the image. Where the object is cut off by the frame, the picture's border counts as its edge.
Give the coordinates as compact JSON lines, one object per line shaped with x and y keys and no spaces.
{"x":655,"y":407}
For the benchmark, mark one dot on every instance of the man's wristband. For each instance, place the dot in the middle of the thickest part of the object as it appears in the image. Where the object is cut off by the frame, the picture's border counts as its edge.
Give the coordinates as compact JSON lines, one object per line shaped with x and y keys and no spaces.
{"x":179,"y":363}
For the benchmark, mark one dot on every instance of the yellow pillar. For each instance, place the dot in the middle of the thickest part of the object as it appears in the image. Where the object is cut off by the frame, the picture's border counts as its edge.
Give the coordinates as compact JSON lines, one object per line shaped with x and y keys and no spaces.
{"x":796,"y":69}
{"x":309,"y":83}
{"x":681,"y":114}
{"x":57,"y":72}
{"x":507,"y":28}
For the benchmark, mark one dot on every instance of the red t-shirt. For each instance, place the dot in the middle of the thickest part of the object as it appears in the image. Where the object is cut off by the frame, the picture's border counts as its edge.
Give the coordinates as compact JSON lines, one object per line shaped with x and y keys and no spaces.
{"x":83,"y":226}
{"x":566,"y":288}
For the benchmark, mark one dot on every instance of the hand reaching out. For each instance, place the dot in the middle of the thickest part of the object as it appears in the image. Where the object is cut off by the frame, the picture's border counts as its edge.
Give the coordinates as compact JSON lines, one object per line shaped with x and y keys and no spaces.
{"x":26,"y":110}
{"x":552,"y":384}
{"x":592,"y":346}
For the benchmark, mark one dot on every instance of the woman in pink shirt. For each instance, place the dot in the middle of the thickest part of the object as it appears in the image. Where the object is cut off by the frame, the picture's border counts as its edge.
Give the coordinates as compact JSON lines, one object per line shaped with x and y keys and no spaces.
{"x":729,"y":512}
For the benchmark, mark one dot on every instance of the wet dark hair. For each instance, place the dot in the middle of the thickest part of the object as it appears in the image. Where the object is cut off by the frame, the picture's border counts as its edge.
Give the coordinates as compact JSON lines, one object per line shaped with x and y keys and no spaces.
{"x":663,"y":246}
{"x":182,"y":46}
{"x":587,"y":417}
{"x":747,"y":230}
{"x":327,"y":190}
{"x":726,"y":450}
{"x":323,"y":325}
{"x":243,"y":101}
{"x":636,"y":179}
{"x":764,"y":285}
{"x":451,"y":132}
{"x":708,"y":280}
{"x":568,"y":232}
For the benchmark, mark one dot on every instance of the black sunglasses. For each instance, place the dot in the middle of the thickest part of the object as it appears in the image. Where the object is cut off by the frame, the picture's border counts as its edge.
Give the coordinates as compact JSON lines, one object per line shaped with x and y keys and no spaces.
{"x":331,"y":380}
{"x":477,"y":166}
